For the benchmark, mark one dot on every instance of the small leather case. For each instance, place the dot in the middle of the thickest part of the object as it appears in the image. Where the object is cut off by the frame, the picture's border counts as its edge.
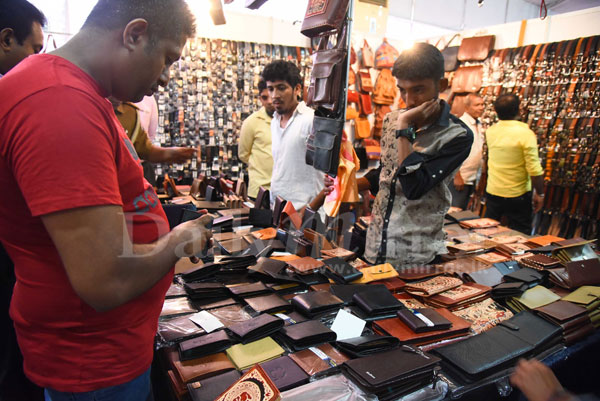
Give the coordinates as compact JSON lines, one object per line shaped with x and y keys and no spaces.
{"x":340,"y":271}
{"x":377,"y":301}
{"x":256,"y":328}
{"x":367,"y":345}
{"x":202,"y":291}
{"x":249,"y":290}
{"x":508,"y":290}
{"x":411,"y":319}
{"x":314,"y":303}
{"x":285,"y":373}
{"x":306,"y":334}
{"x":204,"y":345}
{"x":269,"y":304}
{"x":210,"y":388}
{"x":305,"y":265}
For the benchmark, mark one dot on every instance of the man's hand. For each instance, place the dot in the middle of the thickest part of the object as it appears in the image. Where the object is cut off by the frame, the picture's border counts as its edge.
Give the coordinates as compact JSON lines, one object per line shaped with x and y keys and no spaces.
{"x":535,"y":380}
{"x":538,"y":202}
{"x":329,"y":183}
{"x":180,"y":155}
{"x":459,"y":183}
{"x":195,"y":236}
{"x":419,"y":115}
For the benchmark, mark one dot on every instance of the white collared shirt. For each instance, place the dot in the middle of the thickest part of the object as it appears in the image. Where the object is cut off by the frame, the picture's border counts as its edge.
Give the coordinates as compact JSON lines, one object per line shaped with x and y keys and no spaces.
{"x":292,"y":178}
{"x":470,"y":167}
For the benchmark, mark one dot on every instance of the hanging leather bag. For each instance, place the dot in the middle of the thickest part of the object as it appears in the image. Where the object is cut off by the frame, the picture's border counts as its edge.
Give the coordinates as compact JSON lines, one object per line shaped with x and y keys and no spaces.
{"x":365,"y":56}
{"x":385,"y":88}
{"x":328,"y":73}
{"x":385,"y":55}
{"x":477,"y":48}
{"x":323,"y":145}
{"x":364,"y":81}
{"x":362,"y":128}
{"x":323,"y":16}
{"x":467,"y":79}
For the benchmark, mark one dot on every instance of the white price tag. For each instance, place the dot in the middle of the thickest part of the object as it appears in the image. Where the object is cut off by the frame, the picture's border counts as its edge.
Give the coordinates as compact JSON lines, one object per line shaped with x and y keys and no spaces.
{"x":207,"y":321}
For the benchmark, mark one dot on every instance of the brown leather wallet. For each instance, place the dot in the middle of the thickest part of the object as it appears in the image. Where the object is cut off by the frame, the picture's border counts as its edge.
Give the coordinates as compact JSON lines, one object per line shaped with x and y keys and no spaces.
{"x":199,"y":368}
{"x":305,"y":265}
{"x":312,"y":363}
{"x":269,"y":304}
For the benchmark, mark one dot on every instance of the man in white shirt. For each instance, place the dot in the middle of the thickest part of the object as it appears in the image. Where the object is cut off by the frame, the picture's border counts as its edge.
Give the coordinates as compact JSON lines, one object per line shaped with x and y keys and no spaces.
{"x":292,"y":179}
{"x":464,"y":181}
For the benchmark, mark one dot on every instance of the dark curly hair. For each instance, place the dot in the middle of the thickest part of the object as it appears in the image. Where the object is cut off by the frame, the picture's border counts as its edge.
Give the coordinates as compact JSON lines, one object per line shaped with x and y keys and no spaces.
{"x":262,"y":85}
{"x":422,"y":61}
{"x":19,"y":15}
{"x":281,"y":70}
{"x":507,"y":106}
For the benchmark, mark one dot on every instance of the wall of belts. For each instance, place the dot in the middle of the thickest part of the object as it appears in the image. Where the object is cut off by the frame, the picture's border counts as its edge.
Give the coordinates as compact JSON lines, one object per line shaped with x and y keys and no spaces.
{"x":213,"y":88}
{"x":559,"y":87}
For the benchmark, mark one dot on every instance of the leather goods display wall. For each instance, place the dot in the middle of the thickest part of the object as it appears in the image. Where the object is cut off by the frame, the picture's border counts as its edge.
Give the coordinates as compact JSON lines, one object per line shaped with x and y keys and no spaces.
{"x":213,"y":89}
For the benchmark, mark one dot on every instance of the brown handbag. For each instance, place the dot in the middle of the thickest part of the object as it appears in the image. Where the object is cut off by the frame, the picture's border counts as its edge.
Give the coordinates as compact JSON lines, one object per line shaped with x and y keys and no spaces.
{"x":366,"y":107}
{"x":380,"y":113}
{"x":467,"y":79}
{"x":385,"y":88}
{"x":365,"y":83}
{"x":323,"y":16}
{"x":385,"y":55}
{"x":477,"y":48}
{"x":328,"y":73}
{"x":362,"y":128}
{"x":365,"y":56}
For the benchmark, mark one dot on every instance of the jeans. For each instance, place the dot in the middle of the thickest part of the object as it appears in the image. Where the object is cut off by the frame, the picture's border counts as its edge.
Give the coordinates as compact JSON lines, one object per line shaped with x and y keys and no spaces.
{"x":518,"y":210}
{"x":138,"y":389}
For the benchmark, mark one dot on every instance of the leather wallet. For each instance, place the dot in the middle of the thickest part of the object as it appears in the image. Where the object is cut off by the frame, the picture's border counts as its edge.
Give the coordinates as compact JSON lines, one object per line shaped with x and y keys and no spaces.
{"x":318,"y":359}
{"x":490,"y":277}
{"x":285,"y":373}
{"x":534,"y":298}
{"x":377,"y":272}
{"x":200,"y":368}
{"x":305,"y":265}
{"x":397,"y":328}
{"x":392,"y":374}
{"x":418,"y":273}
{"x":340,"y":271}
{"x":367,"y":345}
{"x":457,"y":297}
{"x":269,"y":304}
{"x":200,"y":291}
{"x":204,"y":345}
{"x":433,"y":320}
{"x":260,"y":217}
{"x":178,"y":329}
{"x":377,"y":301}
{"x":255,"y":384}
{"x":277,"y":209}
{"x":249,"y":290}
{"x":583,"y":272}
{"x":508,"y":290}
{"x":210,"y":388}
{"x":540,"y":262}
{"x":346,"y":292}
{"x":247,"y":355}
{"x":201,"y":272}
{"x":256,"y":328}
{"x":483,"y":315}
{"x":560,"y":312}
{"x":314,"y":303}
{"x":338,"y":253}
{"x":307,"y":334}
{"x":432,"y":286}
{"x":393,"y":284}
{"x":507,"y":267}
{"x":526,"y":275}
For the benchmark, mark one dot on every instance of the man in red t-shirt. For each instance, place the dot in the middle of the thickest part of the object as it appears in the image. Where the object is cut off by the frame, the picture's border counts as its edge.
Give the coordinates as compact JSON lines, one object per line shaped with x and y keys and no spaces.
{"x":90,"y":242}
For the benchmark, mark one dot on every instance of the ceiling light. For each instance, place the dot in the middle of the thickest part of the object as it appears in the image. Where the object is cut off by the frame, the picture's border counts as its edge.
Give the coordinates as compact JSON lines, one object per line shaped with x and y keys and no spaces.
{"x":480,"y":3}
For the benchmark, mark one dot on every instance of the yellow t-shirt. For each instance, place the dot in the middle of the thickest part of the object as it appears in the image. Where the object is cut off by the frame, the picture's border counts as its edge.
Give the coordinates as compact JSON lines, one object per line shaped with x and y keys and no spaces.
{"x":127,"y":114}
{"x":255,"y":149}
{"x":512,"y":158}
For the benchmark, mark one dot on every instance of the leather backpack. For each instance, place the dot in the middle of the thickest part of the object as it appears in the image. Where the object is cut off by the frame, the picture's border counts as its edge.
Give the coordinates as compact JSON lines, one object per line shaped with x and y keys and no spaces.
{"x":323,"y":16}
{"x":385,"y":88}
{"x":385,"y":55}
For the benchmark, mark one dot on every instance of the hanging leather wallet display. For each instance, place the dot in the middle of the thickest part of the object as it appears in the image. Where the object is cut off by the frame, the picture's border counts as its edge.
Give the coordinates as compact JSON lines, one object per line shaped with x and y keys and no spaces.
{"x":340,"y":271}
{"x":323,"y":16}
{"x":476,"y":48}
{"x":316,"y":302}
{"x":467,"y":79}
{"x":367,"y":345}
{"x":323,"y":144}
{"x":204,"y":345}
{"x":306,"y":334}
{"x":256,"y":328}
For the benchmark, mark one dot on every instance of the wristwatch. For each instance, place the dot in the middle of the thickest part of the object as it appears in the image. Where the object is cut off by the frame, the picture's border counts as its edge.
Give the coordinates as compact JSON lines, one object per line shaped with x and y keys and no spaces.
{"x":409,"y":133}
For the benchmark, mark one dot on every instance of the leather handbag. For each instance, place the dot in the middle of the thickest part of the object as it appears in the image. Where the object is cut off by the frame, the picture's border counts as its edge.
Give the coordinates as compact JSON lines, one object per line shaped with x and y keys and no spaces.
{"x":467,"y":79}
{"x":323,"y":145}
{"x":450,"y":55}
{"x":366,"y":107}
{"x":353,"y":97}
{"x":385,"y":55}
{"x":327,"y":77}
{"x":323,"y":16}
{"x":477,"y":48}
{"x":380,"y":112}
{"x":365,"y":56}
{"x":385,"y":88}
{"x":365,"y":83}
{"x":362,"y":128}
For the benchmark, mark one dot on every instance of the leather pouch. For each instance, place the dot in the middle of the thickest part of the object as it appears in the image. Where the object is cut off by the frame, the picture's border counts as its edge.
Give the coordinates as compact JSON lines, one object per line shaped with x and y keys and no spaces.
{"x":247,"y":355}
{"x":367,"y":345}
{"x":416,"y":324}
{"x":323,"y":144}
{"x":323,"y":16}
{"x":476,"y":48}
{"x":204,"y":345}
{"x":212,"y":387}
{"x":285,"y":373}
{"x":269,"y":304}
{"x":316,"y":302}
{"x":320,"y":359}
{"x":306,"y":334}
{"x":366,"y":107}
{"x":467,"y":79}
{"x":340,"y":271}
{"x":256,"y":328}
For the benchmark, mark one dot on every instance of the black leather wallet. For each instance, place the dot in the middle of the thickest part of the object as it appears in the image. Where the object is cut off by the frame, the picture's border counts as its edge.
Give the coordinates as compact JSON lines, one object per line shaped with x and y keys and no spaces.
{"x":377,"y":301}
{"x":346,"y":291}
{"x":367,"y":345}
{"x":507,"y":267}
{"x":204,"y":345}
{"x":249,"y":290}
{"x":201,"y":272}
{"x":212,"y":387}
{"x":314,"y":303}
{"x":411,"y":319}
{"x":507,"y":290}
{"x":340,"y":271}
{"x":261,"y":217}
{"x":201,"y":290}
{"x":306,"y":334}
{"x":285,"y":373}
{"x":526,"y":275}
{"x":256,"y":328}
{"x":269,"y":304}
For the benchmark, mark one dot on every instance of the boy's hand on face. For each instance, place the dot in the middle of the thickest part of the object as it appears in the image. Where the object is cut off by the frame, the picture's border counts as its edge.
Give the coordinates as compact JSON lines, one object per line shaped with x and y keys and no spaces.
{"x":419,"y":115}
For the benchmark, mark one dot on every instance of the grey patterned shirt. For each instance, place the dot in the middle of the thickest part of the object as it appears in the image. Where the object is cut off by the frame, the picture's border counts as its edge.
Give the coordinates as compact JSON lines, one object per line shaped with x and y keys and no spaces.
{"x":412,"y":198}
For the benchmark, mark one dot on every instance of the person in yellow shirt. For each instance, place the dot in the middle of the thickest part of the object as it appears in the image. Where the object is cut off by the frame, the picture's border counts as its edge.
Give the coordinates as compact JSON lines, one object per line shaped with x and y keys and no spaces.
{"x":254,"y":146}
{"x":513,"y":168}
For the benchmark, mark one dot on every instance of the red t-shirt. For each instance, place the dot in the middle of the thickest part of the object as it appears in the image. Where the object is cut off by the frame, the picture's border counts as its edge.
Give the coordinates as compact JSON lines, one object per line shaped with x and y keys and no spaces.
{"x":61,"y":147}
